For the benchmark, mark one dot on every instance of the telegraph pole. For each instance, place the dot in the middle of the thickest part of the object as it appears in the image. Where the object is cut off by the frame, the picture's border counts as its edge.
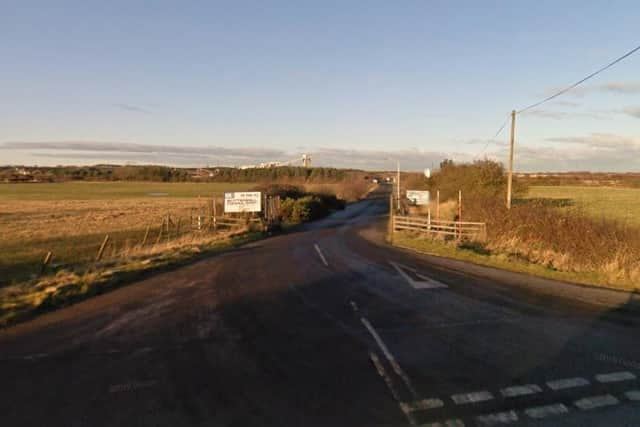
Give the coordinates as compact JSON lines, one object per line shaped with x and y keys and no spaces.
{"x":510,"y":177}
{"x":398,"y":180}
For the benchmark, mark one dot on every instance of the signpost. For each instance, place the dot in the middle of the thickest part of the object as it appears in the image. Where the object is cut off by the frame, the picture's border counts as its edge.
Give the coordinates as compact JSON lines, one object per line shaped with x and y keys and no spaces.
{"x":243,"y":201}
{"x":418,"y":197}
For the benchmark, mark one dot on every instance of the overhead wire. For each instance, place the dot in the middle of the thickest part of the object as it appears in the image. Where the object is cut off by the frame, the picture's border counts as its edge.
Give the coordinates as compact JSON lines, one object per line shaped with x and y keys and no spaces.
{"x":579,"y":82}
{"x":560,"y":92}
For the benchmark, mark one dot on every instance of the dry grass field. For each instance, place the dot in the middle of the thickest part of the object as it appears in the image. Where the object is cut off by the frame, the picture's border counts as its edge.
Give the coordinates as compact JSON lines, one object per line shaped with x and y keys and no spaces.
{"x":71,"y":219}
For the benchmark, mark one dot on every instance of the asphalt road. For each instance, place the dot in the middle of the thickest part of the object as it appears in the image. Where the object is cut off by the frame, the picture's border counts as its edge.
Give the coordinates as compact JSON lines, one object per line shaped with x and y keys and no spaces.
{"x":328,"y":326}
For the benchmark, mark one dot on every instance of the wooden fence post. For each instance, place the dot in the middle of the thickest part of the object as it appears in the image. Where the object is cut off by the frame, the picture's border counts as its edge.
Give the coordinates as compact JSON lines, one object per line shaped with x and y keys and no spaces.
{"x":438,"y":205}
{"x":102,"y":246}
{"x":215,"y":219}
{"x":160,"y":232}
{"x":146,"y":234}
{"x":47,"y":258}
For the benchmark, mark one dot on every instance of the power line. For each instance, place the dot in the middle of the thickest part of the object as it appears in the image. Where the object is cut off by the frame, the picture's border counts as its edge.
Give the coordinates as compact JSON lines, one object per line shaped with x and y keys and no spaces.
{"x":555,"y":95}
{"x":490,"y":140}
{"x":567,"y":89}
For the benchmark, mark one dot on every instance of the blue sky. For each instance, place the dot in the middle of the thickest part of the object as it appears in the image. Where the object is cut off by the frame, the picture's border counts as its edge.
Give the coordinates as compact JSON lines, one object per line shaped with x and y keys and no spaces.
{"x":353,"y":83}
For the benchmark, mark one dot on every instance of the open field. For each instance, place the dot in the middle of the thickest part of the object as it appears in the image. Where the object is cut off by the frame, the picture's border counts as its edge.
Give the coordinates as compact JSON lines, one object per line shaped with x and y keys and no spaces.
{"x":71,"y":219}
{"x":615,"y":203}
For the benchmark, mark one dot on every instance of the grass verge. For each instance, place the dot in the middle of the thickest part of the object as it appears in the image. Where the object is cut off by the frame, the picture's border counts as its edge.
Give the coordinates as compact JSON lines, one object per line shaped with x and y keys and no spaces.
{"x":477,"y":254}
{"x":26,"y":300}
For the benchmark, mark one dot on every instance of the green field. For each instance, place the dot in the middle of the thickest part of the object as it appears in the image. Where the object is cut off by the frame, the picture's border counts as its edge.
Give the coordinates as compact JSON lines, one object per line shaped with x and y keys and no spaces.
{"x":115,"y":190}
{"x":621,"y":204}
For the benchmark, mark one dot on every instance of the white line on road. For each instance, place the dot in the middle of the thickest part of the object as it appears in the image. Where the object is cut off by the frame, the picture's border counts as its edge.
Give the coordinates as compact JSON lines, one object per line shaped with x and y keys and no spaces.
{"x":546,"y":410}
{"x":446,"y":423}
{"x":381,"y":371}
{"x":615,"y":377}
{"x":520,"y":390}
{"x":421,"y":405}
{"x":596,"y":401}
{"x":425,"y":283}
{"x":473,"y":397}
{"x":321,"y":256}
{"x":507,"y":417}
{"x":567,"y":383}
{"x":392,"y":360}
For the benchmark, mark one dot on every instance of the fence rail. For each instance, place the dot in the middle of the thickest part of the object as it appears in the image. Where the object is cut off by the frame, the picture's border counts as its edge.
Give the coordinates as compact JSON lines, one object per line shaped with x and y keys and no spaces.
{"x":457,"y":229}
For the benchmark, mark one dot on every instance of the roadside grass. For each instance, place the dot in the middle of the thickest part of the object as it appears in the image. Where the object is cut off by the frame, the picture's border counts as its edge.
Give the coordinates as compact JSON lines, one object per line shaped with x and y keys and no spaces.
{"x":477,"y":254}
{"x":609,"y":203}
{"x":69,"y":285}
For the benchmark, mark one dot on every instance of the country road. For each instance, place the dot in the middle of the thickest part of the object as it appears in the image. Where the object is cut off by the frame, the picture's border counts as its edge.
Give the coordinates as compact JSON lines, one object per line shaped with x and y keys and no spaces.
{"x":329,"y":326}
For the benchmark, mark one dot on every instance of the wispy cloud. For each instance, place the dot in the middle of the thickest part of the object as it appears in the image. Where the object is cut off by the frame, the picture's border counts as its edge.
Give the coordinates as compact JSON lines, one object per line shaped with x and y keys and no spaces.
{"x":87,"y":152}
{"x":132,"y":108}
{"x":563,"y":115}
{"x":626,"y":87}
{"x":616,"y":87}
{"x":602,"y":141}
{"x":596,"y":152}
{"x":632,"y":111}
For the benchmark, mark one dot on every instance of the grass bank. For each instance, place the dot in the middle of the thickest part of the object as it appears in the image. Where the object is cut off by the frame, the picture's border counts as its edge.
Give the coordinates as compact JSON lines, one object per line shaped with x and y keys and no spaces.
{"x":67,"y":286}
{"x":476,"y":254}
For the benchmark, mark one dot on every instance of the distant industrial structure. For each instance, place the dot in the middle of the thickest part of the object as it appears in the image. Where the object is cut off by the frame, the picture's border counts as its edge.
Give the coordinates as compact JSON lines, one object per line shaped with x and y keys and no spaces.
{"x":306,"y":162}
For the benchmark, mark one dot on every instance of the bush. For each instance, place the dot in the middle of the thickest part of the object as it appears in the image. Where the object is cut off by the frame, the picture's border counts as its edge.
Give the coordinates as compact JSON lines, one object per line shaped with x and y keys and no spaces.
{"x":481,"y":179}
{"x":308,"y":207}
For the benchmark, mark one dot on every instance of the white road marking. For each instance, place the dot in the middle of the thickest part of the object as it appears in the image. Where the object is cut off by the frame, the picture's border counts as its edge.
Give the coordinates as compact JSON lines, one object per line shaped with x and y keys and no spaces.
{"x":445,"y":423}
{"x":596,"y":401}
{"x":421,"y":405}
{"x":567,"y":383}
{"x":633,"y":395}
{"x":476,"y":396}
{"x":324,"y":261}
{"x":381,"y":371}
{"x":520,"y":390}
{"x":507,"y":417}
{"x":546,"y":410}
{"x":425,"y":283}
{"x":615,"y":377}
{"x":132,"y":386}
{"x":392,"y":360}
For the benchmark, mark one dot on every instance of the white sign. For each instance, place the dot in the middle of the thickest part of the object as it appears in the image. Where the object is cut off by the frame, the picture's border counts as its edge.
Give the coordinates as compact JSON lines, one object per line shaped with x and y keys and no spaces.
{"x":243,"y":201}
{"x":419,"y":197}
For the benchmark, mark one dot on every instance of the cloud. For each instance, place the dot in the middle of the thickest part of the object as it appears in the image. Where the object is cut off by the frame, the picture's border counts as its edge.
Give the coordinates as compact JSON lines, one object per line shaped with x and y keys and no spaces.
{"x":133,"y":108}
{"x":615,"y":87}
{"x":601,"y":141}
{"x":410,"y":159}
{"x":628,"y":87}
{"x":88,"y":152}
{"x":563,"y":115}
{"x":632,"y":111}
{"x":129,"y":148}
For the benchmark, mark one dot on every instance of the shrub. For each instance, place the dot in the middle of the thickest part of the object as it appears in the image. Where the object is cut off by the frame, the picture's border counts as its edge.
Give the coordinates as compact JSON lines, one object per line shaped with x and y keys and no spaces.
{"x":482,"y":178}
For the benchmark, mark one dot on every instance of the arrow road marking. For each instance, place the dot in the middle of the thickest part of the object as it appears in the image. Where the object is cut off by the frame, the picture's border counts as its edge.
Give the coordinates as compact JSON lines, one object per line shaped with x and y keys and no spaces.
{"x":425,"y":283}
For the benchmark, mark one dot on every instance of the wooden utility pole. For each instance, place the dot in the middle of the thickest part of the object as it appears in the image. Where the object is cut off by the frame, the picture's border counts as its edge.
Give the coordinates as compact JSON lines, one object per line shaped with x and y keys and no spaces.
{"x":390,"y":230}
{"x":398,"y":180}
{"x":510,"y":177}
